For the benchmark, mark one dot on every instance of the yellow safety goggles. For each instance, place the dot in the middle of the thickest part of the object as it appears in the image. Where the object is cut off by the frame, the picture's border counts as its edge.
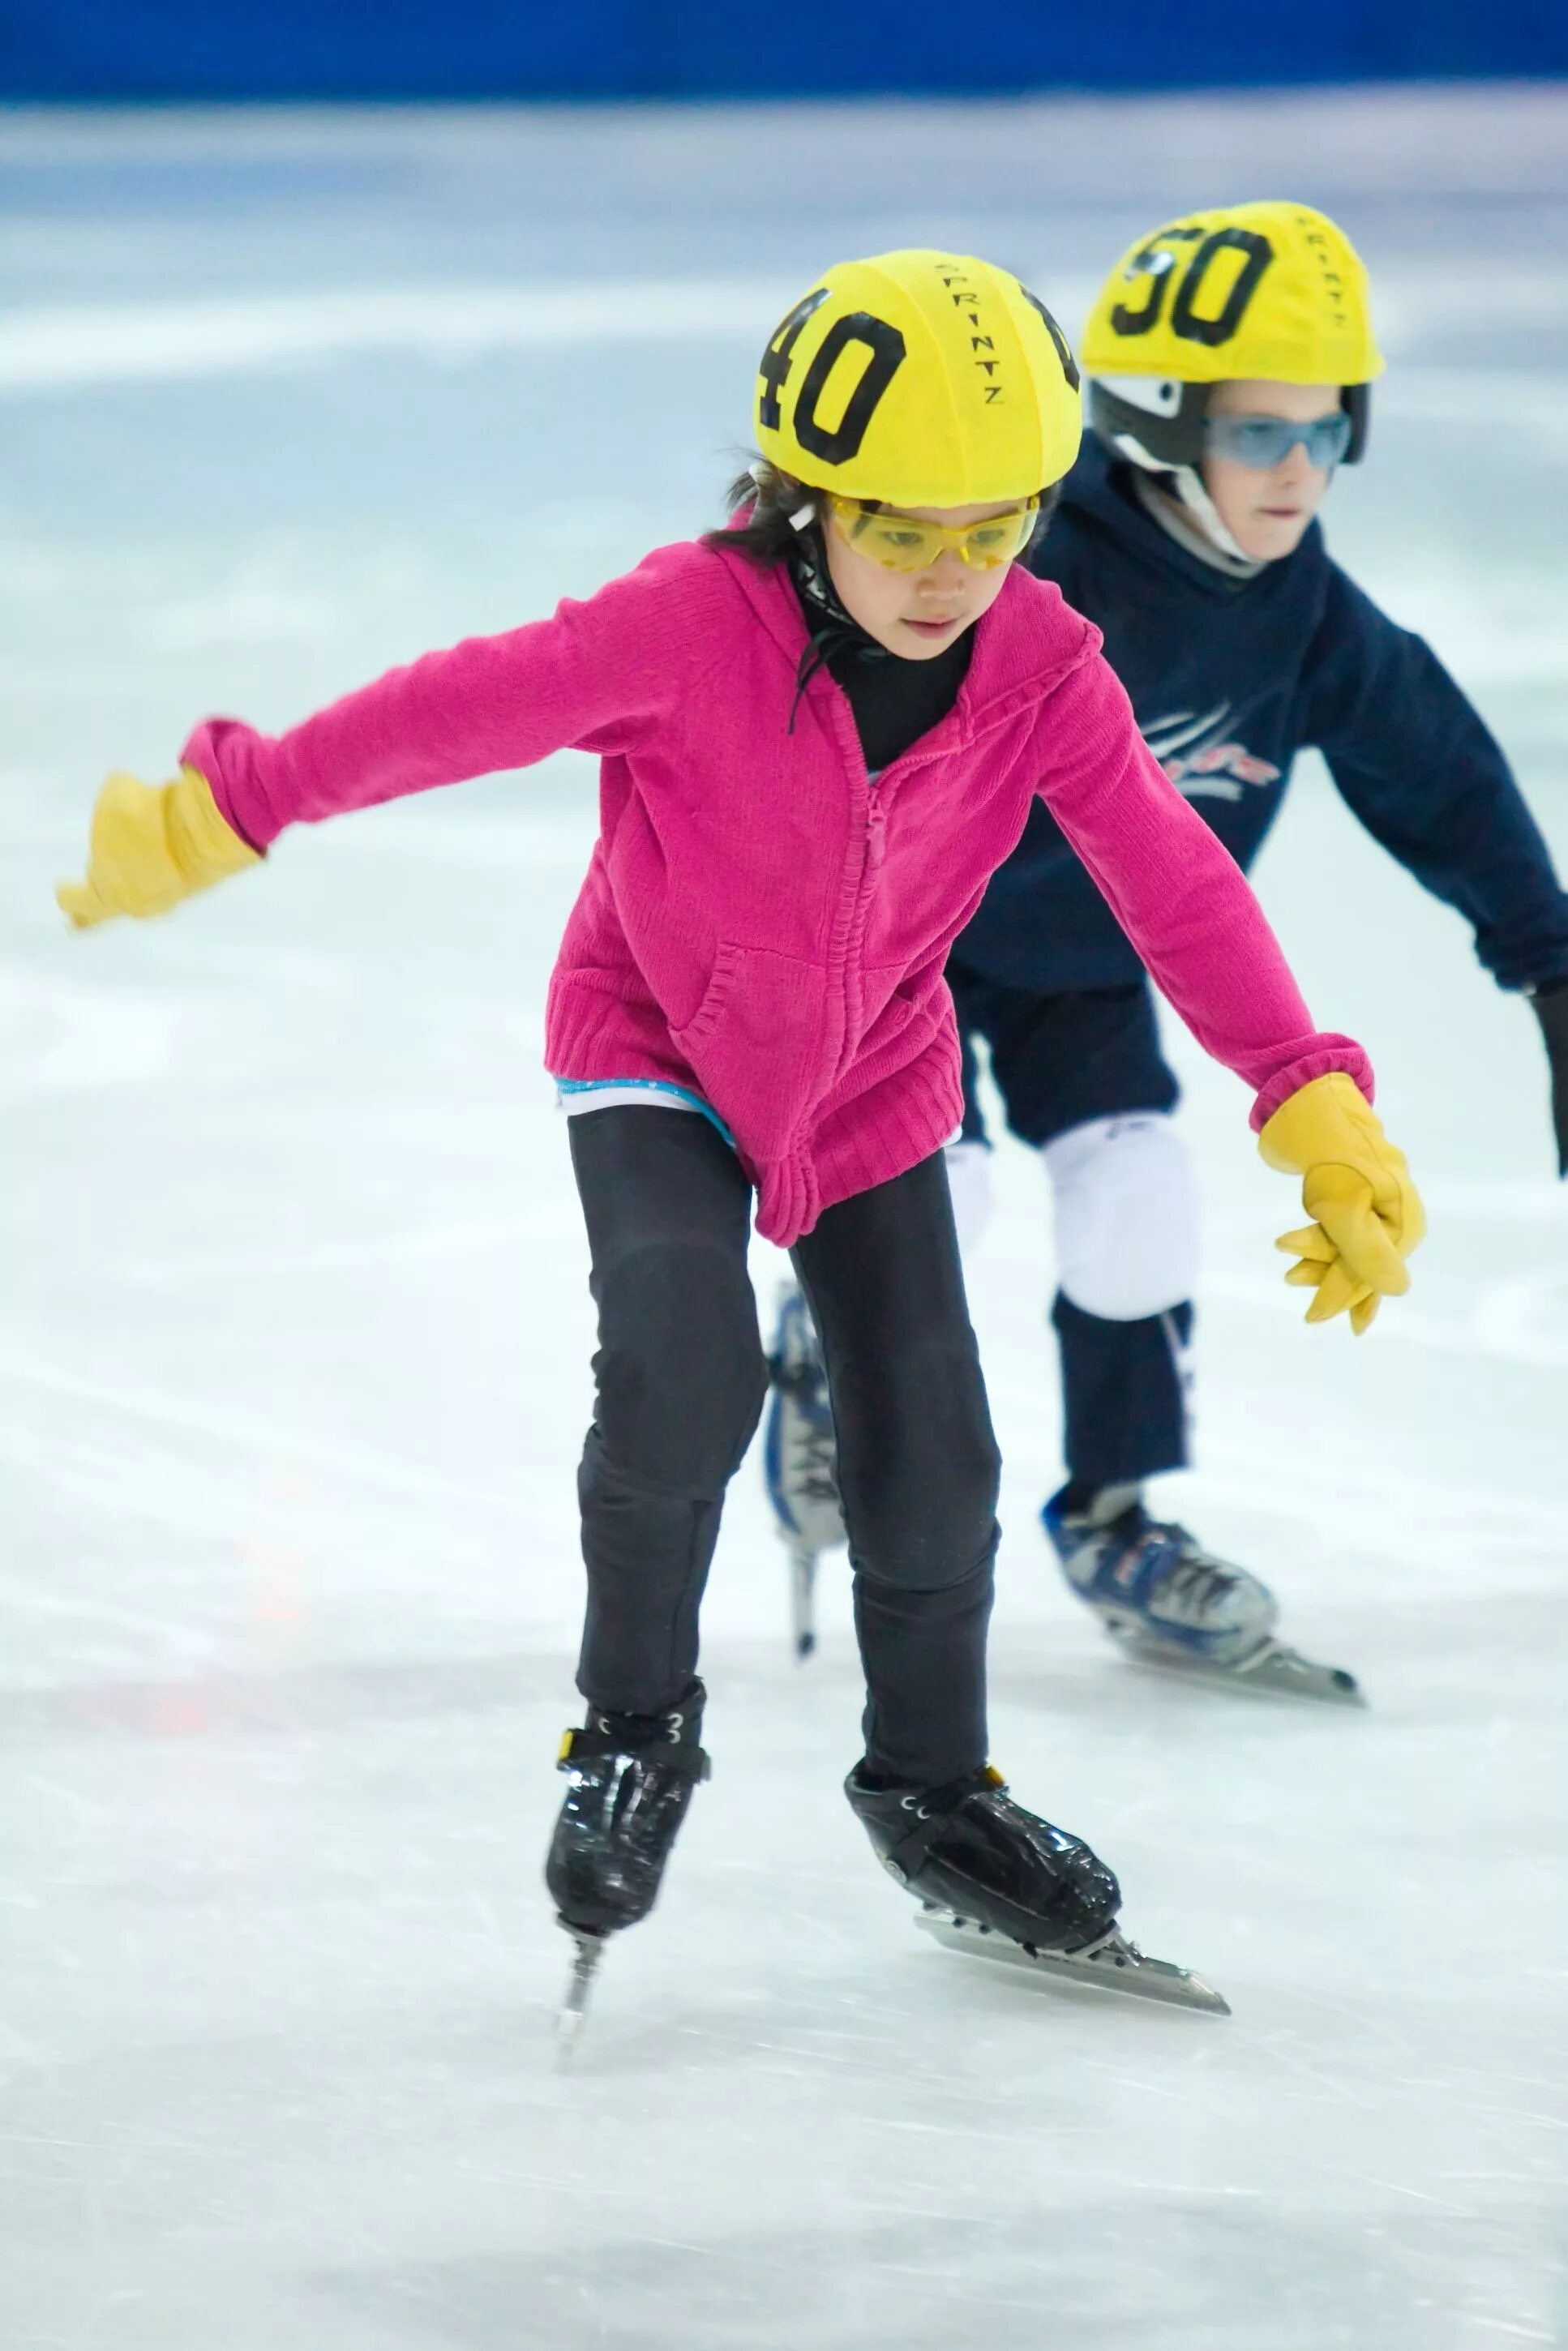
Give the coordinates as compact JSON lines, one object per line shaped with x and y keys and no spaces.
{"x":900,"y":544}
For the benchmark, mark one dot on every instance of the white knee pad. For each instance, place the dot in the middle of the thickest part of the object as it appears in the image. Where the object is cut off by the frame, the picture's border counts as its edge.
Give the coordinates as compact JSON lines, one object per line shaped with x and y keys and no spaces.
{"x":969,"y":1182}
{"x":1126,"y":1216}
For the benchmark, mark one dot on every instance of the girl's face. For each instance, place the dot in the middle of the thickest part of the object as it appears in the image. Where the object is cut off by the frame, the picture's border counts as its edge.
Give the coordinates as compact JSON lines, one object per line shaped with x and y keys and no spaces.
{"x":1267,"y":513}
{"x":916,"y":614}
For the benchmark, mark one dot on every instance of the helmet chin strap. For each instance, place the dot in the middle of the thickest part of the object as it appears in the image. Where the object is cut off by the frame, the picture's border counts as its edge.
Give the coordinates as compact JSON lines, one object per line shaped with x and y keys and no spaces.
{"x":1187,"y":485}
{"x":1201,"y":507}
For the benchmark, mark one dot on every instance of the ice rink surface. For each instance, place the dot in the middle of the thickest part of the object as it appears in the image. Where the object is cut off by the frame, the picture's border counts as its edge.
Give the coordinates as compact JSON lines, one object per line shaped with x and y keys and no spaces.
{"x":296,"y":1330}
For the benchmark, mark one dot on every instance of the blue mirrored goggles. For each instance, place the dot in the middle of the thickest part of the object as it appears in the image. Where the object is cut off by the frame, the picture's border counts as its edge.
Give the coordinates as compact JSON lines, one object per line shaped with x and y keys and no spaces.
{"x":1264,"y":441}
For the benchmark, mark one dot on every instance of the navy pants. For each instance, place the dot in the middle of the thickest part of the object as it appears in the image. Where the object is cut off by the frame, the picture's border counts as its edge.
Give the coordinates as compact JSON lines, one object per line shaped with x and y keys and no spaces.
{"x":1060,"y":1060}
{"x":680,"y":1380}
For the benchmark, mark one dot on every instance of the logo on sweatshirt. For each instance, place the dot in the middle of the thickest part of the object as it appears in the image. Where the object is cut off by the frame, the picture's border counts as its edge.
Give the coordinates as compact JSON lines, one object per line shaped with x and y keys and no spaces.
{"x":1200,"y":758}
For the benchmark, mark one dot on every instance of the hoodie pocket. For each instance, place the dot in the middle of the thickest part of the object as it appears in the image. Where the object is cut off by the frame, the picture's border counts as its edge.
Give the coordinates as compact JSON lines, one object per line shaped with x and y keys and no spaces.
{"x":756,"y":1044}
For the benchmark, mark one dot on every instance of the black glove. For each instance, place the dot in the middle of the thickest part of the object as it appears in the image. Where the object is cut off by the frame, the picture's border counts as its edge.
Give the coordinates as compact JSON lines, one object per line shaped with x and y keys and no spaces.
{"x":1551,"y":1011}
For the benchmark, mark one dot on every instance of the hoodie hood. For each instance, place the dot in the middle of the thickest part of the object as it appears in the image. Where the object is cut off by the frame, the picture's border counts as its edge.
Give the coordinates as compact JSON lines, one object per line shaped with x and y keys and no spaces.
{"x":1024,"y":646}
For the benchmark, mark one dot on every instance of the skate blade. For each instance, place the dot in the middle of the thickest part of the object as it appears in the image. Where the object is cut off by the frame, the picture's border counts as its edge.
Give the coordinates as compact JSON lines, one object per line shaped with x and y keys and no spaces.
{"x":1112,"y":1964}
{"x":572,"y":2013}
{"x":1272,"y":1671}
{"x":803,"y":1601}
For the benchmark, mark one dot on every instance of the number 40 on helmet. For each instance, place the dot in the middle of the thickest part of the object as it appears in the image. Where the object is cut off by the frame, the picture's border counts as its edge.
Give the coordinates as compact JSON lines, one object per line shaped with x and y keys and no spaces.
{"x":920,"y":378}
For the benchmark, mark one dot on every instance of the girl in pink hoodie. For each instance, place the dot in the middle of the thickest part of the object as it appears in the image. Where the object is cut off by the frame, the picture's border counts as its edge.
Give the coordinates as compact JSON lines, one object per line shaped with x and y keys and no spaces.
{"x":821,"y":731}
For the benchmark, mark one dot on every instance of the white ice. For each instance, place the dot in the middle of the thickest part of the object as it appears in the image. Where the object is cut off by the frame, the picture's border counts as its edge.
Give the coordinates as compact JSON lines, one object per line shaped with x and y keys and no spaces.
{"x":295,"y":1335}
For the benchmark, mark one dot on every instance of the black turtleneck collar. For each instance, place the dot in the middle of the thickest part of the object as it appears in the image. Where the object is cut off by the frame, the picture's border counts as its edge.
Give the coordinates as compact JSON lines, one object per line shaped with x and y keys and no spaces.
{"x":894,"y":702}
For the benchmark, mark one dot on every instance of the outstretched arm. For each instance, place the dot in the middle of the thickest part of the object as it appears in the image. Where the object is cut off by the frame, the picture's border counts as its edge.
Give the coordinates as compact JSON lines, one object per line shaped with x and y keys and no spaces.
{"x":582,"y":677}
{"x":596,"y":675}
{"x":1415,"y":764}
{"x":1187,"y":909}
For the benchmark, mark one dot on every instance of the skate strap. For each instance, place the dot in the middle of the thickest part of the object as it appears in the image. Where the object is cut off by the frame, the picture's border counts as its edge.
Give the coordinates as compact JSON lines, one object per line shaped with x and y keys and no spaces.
{"x":589,"y":1744}
{"x":928,"y":1809}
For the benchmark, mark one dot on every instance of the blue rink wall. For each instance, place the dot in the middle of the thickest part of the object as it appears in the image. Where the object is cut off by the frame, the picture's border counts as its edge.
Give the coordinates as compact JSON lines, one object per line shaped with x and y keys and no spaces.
{"x":89,"y":50}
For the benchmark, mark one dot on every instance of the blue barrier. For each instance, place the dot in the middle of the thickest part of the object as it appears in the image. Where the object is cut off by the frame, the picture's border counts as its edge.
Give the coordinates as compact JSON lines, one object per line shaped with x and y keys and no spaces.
{"x":193,"y":49}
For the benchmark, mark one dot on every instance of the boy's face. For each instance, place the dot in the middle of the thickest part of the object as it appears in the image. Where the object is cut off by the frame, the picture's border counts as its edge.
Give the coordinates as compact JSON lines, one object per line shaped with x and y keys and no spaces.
{"x":1266,"y":513}
{"x":916,"y":614}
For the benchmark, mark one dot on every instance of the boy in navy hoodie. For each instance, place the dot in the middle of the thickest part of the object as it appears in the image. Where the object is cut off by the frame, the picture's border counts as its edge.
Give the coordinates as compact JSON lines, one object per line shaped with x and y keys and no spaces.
{"x":1229,"y":359}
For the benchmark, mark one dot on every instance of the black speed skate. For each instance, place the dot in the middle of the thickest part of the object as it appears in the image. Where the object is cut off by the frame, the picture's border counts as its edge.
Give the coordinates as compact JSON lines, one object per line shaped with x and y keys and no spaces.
{"x":631,"y":1777}
{"x":998,"y":1881}
{"x":967,"y":1847}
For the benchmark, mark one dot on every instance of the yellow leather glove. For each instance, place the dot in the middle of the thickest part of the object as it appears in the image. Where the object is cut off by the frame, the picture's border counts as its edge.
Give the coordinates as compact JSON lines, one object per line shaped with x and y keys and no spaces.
{"x":153,"y":844}
{"x":1357,"y":1187}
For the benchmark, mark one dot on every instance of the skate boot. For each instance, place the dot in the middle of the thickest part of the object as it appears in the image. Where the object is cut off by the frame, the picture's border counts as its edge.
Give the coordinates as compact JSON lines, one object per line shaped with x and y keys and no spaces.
{"x":1171,"y":1602}
{"x":997,"y":1881}
{"x":631,"y":1777}
{"x":799,"y":1458}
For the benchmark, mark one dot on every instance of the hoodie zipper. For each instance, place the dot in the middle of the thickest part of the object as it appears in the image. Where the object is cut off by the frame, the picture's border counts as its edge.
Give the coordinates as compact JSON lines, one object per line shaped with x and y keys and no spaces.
{"x":869,"y":838}
{"x":873,"y":829}
{"x":873,"y":849}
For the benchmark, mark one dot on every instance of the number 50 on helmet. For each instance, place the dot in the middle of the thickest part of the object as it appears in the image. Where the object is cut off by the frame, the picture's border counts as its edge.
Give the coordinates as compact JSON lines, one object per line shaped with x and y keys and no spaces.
{"x":1271,"y":292}
{"x":919,"y":379}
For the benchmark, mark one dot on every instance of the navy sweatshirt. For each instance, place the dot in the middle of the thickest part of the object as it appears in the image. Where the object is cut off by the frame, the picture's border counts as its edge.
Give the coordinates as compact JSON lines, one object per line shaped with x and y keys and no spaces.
{"x":1229,"y":678}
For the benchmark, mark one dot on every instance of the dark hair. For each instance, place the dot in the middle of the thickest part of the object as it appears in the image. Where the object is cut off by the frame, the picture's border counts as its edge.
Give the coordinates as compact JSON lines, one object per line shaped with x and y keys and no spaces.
{"x":769,"y":530}
{"x":1049,"y":499}
{"x":768,"y":533}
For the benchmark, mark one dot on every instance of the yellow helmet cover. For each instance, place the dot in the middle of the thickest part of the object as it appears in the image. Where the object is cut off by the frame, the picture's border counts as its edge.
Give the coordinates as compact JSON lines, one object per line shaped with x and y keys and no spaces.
{"x":1272,"y":291}
{"x":920,"y":378}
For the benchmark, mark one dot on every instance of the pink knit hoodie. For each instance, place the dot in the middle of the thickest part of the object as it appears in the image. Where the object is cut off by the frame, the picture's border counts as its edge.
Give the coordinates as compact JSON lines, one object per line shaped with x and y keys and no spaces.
{"x":760,"y":922}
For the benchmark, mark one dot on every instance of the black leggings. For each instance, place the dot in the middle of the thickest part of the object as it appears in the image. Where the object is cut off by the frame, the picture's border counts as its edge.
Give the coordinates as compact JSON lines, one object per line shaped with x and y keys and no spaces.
{"x":680,"y":1381}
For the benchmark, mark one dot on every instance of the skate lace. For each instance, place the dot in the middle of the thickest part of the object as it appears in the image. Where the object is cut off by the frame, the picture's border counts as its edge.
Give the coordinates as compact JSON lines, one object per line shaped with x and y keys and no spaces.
{"x":814,"y":1463}
{"x":1198,"y":1579}
{"x":813,"y":1455}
